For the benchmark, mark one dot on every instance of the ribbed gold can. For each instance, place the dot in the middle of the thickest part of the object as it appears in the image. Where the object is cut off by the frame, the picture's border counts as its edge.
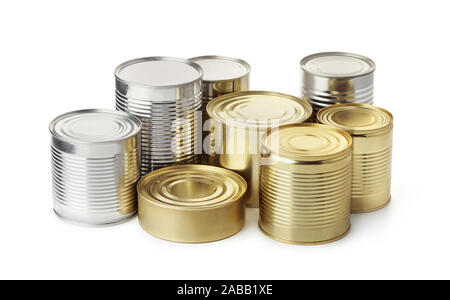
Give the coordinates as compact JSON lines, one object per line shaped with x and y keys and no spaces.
{"x":238,"y":122}
{"x":371,"y":128}
{"x":305,"y":184}
{"x":192,"y":203}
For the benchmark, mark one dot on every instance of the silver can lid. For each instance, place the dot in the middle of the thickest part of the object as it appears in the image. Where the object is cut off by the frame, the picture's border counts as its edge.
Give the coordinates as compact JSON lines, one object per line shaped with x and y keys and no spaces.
{"x":221,"y":68}
{"x":337,"y":64}
{"x":92,"y":126}
{"x":158,"y":71}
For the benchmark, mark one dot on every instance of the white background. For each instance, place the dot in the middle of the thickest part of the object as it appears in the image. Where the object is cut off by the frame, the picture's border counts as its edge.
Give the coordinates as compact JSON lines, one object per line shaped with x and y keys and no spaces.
{"x":58,"y":56}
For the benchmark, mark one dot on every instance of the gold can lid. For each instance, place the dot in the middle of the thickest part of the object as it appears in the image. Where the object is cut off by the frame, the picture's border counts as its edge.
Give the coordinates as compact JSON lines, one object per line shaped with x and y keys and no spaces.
{"x":192,"y":203}
{"x":258,"y":109}
{"x":356,"y":118}
{"x":306,"y":142}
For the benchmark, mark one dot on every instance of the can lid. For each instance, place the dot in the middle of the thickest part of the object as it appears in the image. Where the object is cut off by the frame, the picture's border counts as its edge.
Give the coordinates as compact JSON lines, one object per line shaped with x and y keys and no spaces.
{"x":356,"y":118}
{"x":192,"y":203}
{"x":306,"y":142}
{"x":158,"y":71}
{"x":94,"y":126}
{"x":221,"y":68}
{"x":337,"y":64}
{"x":192,"y":187}
{"x":258,"y":109}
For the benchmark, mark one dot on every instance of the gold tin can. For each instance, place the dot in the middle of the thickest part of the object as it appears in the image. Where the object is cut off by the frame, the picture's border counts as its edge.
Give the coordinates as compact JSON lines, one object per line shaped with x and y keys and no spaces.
{"x":371,"y":128}
{"x":192,"y":203}
{"x":238,"y":122}
{"x":305,"y":184}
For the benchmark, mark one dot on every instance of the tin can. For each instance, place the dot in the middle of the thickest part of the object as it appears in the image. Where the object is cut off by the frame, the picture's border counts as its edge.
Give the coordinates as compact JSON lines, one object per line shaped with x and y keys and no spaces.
{"x":337,"y":77}
{"x":305,"y":184}
{"x":95,"y":166}
{"x":371,"y":128}
{"x":221,"y":75}
{"x":192,"y":203}
{"x":238,"y":122}
{"x":166,"y":94}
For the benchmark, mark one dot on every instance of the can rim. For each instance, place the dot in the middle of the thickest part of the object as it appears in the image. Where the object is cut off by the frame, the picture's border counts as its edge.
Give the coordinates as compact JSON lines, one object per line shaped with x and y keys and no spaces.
{"x":265,"y":149}
{"x":140,"y":187}
{"x":157,"y":58}
{"x":349,"y":129}
{"x":221,"y":57}
{"x":134,"y":132}
{"x":305,"y":59}
{"x":303,"y":102}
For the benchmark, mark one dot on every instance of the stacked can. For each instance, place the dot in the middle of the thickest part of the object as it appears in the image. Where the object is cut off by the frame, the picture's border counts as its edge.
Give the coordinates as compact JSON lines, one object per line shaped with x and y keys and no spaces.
{"x":95,"y":166}
{"x":305,"y":183}
{"x":337,"y":77}
{"x":239,"y":121}
{"x":166,"y":94}
{"x":192,"y":203}
{"x":371,"y":128}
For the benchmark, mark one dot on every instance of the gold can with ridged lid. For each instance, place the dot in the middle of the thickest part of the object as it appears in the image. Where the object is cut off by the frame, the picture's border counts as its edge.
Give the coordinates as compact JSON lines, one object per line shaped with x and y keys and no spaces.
{"x":192,"y":203}
{"x":238,"y":121}
{"x":372,"y":129}
{"x":305,"y":184}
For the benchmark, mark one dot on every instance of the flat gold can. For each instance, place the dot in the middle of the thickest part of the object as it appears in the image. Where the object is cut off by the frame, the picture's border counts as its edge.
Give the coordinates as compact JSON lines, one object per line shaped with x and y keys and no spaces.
{"x":372,"y":130}
{"x":305,"y":184}
{"x":192,"y":203}
{"x":238,"y":121}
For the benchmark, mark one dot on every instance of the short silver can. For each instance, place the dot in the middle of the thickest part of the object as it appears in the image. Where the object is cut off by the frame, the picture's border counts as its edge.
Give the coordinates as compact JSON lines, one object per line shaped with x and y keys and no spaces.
{"x":95,"y":156}
{"x":337,"y":77}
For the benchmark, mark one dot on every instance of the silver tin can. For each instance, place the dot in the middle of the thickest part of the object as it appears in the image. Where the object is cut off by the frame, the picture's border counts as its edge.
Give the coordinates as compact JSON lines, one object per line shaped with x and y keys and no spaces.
{"x":166,"y":94}
{"x":337,"y":77}
{"x":95,"y":166}
{"x":221,"y":75}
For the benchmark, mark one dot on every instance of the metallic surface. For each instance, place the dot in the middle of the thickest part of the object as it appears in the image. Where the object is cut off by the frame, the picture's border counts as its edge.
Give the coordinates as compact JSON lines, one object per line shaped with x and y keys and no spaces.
{"x":192,"y":203}
{"x":337,"y":77}
{"x":221,"y":75}
{"x":239,"y":121}
{"x":371,"y":128}
{"x":95,"y":166}
{"x":305,"y":184}
{"x":166,"y":94}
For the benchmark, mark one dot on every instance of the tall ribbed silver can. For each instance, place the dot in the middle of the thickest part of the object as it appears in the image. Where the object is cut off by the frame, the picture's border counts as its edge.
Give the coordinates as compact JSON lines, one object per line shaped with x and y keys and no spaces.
{"x":95,"y":157}
{"x":337,"y":77}
{"x":166,"y":94}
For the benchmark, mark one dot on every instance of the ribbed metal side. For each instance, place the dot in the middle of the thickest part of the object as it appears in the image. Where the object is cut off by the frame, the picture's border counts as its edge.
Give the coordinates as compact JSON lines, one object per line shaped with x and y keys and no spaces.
{"x":305,"y":206}
{"x":371,"y":180}
{"x":169,"y":129}
{"x":320,"y":99}
{"x":95,"y":191}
